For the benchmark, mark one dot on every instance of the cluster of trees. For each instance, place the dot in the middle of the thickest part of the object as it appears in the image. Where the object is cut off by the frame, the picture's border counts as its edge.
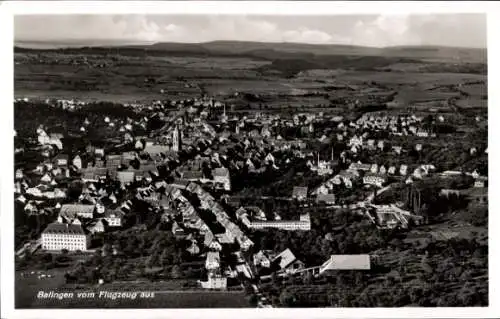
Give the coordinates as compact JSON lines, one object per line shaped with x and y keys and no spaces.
{"x":341,"y":232}
{"x":30,"y":115}
{"x":133,"y":254}
{"x":437,"y":275}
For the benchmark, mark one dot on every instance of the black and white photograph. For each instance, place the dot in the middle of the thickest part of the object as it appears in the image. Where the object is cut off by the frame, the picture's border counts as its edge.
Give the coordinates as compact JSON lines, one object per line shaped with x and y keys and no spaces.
{"x":239,"y":160}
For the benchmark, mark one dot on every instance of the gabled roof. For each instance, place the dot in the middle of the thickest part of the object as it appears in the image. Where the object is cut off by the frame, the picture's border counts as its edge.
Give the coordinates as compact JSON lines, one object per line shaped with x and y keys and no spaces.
{"x":69,"y":210}
{"x":285,"y":258}
{"x":114,"y":213}
{"x":221,"y":172}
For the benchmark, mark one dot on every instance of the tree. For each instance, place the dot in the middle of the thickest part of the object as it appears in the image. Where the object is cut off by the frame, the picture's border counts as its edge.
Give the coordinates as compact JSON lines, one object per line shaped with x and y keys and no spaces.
{"x":176,"y":271}
{"x":307,"y":278}
{"x":287,"y":299}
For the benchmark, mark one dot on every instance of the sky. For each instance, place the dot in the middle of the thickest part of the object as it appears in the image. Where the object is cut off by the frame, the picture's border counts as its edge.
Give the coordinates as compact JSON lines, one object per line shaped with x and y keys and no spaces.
{"x":460,"y":30}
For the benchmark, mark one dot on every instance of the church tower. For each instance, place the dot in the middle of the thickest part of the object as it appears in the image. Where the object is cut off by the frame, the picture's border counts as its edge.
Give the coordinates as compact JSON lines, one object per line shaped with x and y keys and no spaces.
{"x":176,"y":139}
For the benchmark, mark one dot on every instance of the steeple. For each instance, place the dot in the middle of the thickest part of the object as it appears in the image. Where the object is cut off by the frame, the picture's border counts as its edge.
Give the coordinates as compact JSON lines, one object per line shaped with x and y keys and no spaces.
{"x":176,"y":139}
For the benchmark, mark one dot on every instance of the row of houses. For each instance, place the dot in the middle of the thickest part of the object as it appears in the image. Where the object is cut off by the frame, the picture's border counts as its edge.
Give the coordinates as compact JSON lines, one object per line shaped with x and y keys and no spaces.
{"x":246,"y":217}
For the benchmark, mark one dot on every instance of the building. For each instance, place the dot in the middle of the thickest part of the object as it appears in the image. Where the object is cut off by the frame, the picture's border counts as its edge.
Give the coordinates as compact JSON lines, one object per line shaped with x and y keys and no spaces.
{"x":304,"y":223}
{"x":114,"y":218}
{"x":61,"y":160}
{"x":58,"y":236}
{"x":260,"y":259}
{"x":176,"y":140}
{"x":214,"y":282}
{"x":346,"y":262}
{"x":403,"y":170}
{"x":328,"y":199}
{"x":213,"y":260}
{"x":77,"y":162}
{"x":72,"y":211}
{"x":287,"y":261}
{"x":299,"y":193}
{"x":222,"y":178}
{"x":96,"y":227}
{"x":374,"y":179}
{"x":125,"y":177}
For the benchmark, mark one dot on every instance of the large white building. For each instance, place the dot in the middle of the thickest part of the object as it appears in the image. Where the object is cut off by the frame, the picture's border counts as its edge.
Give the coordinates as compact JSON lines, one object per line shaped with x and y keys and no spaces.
{"x":58,"y":236}
{"x":304,"y":223}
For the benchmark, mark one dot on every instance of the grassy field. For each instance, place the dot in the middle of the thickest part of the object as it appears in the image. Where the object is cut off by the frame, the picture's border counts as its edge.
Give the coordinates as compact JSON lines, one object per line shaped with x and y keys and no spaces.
{"x":170,"y":294}
{"x":174,"y":299}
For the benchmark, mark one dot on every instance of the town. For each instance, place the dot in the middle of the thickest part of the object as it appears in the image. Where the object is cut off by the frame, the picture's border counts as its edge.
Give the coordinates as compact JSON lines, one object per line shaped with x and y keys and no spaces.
{"x":188,"y":189}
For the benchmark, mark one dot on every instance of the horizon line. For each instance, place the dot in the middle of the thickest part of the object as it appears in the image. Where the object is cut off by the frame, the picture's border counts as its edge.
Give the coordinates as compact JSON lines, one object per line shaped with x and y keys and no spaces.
{"x":125,"y":42}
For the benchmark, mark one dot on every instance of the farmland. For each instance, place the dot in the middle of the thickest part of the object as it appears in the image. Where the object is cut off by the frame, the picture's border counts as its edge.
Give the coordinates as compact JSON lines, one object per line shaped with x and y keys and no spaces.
{"x":169,"y":294}
{"x":277,"y":78}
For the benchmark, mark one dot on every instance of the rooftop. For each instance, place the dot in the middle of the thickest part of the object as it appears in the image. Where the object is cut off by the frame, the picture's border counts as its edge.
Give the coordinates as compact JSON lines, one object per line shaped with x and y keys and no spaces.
{"x":347,"y":262}
{"x":60,"y":228}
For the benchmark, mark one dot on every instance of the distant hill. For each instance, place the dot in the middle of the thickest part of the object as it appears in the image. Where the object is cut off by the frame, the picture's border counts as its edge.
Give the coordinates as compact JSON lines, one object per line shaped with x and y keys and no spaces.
{"x":273,"y":51}
{"x":261,"y":48}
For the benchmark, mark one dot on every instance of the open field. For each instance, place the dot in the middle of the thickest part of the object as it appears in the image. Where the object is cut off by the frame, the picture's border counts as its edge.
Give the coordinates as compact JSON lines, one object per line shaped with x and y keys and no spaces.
{"x":274,"y":73}
{"x":168,"y":294}
{"x":165,"y":299}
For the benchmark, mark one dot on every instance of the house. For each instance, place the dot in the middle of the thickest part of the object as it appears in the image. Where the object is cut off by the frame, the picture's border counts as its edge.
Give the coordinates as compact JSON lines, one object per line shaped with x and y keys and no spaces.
{"x":94,"y":174}
{"x":382,"y":170}
{"x":61,"y":160}
{"x":403,"y":170}
{"x":77,"y":162}
{"x":222,"y":178}
{"x":359,"y":167}
{"x":287,"y":261}
{"x":59,"y":235}
{"x":46,"y":178}
{"x":322,"y":189}
{"x":244,"y":242}
{"x":328,"y":199}
{"x":19,"y":173}
{"x":299,"y":193}
{"x":269,"y":158}
{"x":214,"y":282}
{"x":125,"y":177}
{"x":212,"y":261}
{"x":397,"y":149}
{"x":480,"y":181}
{"x":346,"y":262}
{"x":114,"y":217}
{"x":211,"y":242}
{"x":193,"y":249}
{"x":374,"y":179}
{"x":113,"y":161}
{"x":391,"y":170}
{"x":99,"y":152}
{"x":96,"y":227}
{"x":380,"y":145}
{"x":80,"y":210}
